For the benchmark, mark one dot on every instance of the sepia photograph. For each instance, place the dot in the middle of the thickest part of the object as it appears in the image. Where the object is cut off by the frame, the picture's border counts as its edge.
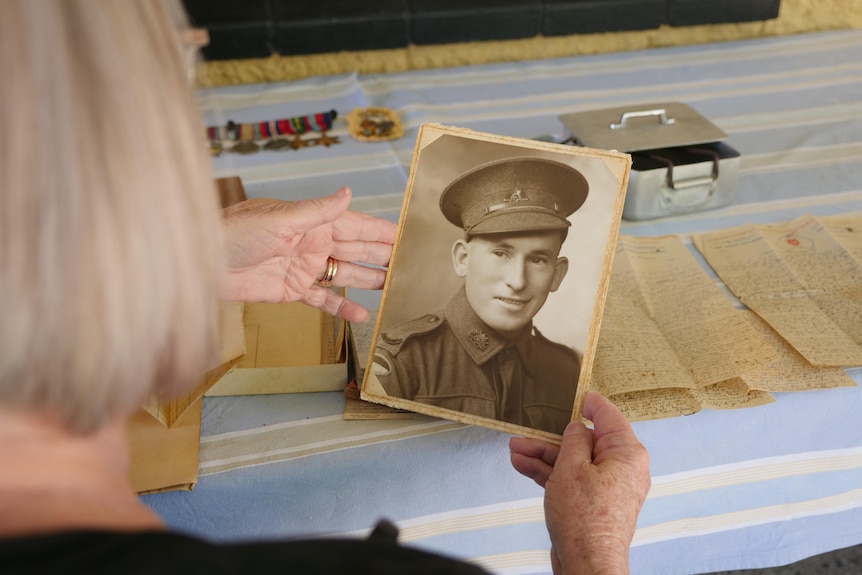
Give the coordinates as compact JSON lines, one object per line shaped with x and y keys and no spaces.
{"x":491,"y":309}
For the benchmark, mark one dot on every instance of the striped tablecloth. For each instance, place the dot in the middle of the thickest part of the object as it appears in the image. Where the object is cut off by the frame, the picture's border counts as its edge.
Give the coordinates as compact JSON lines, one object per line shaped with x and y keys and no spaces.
{"x":731,"y":489}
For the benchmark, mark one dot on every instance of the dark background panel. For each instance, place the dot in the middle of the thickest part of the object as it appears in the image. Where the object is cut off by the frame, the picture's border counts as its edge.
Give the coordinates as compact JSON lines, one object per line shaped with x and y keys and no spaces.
{"x":259,"y":28}
{"x":694,"y":12}
{"x":452,"y":21}
{"x":562,"y":17}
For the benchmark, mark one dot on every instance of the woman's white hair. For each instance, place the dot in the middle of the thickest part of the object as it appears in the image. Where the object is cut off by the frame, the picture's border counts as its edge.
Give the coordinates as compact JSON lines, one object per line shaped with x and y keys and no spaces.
{"x":110,"y":237}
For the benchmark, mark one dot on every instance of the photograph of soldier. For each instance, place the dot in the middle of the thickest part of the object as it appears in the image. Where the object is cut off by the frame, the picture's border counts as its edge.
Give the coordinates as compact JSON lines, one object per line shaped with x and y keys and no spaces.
{"x":494,"y":280}
{"x":482,"y":354}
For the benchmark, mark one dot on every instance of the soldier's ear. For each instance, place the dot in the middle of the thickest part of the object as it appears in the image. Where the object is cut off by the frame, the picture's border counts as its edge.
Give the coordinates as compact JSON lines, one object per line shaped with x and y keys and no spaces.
{"x":459,"y":258}
{"x":560,"y":270}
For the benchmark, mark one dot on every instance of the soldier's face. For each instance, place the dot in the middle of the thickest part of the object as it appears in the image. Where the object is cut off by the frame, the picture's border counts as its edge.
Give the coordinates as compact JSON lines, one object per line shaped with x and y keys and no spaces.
{"x":508,"y":277}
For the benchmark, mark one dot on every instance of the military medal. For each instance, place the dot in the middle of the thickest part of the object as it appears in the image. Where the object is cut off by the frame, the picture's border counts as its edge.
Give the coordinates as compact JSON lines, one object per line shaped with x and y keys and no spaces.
{"x":277,"y":144}
{"x":245,"y":147}
{"x":297,"y":142}
{"x":326,"y":140}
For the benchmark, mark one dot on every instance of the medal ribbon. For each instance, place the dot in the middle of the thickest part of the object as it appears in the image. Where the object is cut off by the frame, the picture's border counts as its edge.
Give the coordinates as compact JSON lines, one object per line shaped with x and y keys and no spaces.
{"x":297,"y":125}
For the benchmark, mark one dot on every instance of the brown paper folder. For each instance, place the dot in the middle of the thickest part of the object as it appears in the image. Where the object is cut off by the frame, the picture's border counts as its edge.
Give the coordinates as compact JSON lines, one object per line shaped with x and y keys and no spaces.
{"x":165,"y":458}
{"x":164,"y":437}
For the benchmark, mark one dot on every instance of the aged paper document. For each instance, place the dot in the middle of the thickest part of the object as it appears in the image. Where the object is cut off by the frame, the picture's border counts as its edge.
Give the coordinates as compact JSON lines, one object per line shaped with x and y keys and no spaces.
{"x":668,"y":325}
{"x":672,"y":341}
{"x":846,"y":230}
{"x":731,"y":394}
{"x":791,"y":371}
{"x":656,"y":403}
{"x":803,"y":277}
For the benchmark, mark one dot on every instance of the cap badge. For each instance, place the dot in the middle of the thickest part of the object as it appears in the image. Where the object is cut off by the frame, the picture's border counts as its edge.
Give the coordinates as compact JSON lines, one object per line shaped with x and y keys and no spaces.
{"x":517,"y":196}
{"x":478,"y":338}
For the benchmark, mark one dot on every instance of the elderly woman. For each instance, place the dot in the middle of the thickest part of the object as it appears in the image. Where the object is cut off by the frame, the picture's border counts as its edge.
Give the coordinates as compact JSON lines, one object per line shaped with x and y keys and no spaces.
{"x":113,"y":257}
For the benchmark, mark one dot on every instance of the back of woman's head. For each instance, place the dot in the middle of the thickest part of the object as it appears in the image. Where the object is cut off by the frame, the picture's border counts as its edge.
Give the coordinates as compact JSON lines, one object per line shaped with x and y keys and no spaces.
{"x":109,"y":231}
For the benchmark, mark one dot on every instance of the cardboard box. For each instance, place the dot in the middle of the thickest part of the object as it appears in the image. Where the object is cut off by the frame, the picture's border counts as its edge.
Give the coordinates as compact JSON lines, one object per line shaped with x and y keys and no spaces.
{"x":290,"y":348}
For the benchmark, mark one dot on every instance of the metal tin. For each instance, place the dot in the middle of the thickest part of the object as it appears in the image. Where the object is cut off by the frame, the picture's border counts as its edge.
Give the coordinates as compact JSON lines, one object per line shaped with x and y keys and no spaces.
{"x":679,"y":163}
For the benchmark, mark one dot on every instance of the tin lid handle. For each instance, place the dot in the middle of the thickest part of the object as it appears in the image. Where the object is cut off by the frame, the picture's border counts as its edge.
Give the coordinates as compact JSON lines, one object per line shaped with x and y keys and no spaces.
{"x":660,"y":112}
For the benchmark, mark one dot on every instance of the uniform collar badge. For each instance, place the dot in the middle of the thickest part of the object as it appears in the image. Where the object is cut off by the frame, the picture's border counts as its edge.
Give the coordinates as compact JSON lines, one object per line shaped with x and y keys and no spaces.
{"x":479,"y":339}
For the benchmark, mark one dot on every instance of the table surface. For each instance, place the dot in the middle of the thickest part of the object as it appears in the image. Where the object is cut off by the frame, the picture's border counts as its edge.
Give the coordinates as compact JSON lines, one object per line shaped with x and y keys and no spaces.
{"x":731,"y":489}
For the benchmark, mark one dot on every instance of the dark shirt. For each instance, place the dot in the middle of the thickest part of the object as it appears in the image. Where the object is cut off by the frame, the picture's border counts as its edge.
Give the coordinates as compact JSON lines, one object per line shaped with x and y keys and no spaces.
{"x":166,"y":553}
{"x":452,"y":359}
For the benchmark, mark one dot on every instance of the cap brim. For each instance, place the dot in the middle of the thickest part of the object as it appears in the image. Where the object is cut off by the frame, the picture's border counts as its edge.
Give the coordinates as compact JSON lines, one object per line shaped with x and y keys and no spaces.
{"x":511,"y":222}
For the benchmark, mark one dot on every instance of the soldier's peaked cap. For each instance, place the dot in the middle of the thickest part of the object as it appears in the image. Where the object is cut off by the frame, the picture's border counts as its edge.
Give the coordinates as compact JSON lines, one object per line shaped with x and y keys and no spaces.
{"x":514,"y":195}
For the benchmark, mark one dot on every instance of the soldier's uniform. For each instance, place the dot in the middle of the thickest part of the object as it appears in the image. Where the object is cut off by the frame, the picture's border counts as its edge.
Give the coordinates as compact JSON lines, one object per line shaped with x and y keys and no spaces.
{"x":452,"y":359}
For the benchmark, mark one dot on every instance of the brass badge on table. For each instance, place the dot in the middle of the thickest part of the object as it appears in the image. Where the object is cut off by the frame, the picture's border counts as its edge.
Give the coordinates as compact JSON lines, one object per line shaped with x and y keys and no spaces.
{"x":374,"y":124}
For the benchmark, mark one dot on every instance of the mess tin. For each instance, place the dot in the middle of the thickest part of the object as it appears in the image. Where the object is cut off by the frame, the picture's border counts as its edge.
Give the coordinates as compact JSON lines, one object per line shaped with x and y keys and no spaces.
{"x":679,"y":163}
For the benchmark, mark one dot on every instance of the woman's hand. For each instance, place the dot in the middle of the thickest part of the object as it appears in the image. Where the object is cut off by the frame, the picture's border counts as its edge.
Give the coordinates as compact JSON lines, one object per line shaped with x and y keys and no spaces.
{"x":595,"y":484}
{"x":276,"y":250}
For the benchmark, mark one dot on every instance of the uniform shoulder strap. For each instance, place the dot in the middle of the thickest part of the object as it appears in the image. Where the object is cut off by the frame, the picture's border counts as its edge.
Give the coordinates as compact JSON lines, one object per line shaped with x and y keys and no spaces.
{"x":394,"y":337}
